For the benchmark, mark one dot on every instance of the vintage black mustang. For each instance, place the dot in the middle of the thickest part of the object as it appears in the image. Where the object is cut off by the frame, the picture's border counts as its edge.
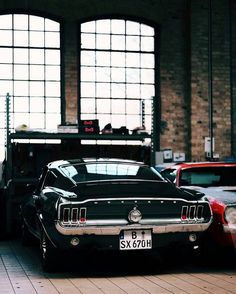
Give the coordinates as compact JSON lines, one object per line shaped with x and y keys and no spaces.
{"x":110,"y":204}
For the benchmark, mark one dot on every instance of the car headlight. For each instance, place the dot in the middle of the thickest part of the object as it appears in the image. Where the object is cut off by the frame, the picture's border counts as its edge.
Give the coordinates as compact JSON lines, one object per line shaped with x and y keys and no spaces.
{"x":230,"y":215}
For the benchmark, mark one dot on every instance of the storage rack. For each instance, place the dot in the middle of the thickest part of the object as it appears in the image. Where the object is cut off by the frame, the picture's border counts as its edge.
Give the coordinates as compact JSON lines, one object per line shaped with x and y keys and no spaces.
{"x":13,"y":181}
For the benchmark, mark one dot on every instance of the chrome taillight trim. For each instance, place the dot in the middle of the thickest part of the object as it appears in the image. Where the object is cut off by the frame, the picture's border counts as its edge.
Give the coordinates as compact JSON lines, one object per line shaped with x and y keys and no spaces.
{"x":192,"y":213}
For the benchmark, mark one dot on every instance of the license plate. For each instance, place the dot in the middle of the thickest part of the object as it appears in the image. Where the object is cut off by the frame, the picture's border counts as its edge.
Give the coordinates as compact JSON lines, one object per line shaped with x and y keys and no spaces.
{"x":136,"y":239}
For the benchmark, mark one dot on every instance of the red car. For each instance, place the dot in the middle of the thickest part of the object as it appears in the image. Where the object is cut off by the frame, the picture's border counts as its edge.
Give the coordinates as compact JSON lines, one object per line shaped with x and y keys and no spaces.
{"x":217,"y":180}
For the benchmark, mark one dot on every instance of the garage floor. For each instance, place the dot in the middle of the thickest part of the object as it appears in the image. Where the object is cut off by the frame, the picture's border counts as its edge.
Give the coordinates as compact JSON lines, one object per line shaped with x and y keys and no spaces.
{"x":20,"y":272}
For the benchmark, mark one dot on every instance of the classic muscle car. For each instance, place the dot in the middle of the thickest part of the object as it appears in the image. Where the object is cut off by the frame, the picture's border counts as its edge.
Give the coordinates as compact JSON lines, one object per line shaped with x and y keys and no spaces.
{"x":110,"y":204}
{"x":217,"y":180}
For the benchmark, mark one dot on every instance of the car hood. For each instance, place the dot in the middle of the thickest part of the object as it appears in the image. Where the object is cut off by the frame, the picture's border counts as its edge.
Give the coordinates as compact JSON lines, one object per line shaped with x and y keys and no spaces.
{"x":225,"y":194}
{"x":133,"y":188}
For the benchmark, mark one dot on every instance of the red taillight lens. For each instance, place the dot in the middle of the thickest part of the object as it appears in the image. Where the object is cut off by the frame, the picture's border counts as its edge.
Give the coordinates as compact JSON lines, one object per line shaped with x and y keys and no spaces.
{"x":184,"y":212}
{"x":82,"y":215}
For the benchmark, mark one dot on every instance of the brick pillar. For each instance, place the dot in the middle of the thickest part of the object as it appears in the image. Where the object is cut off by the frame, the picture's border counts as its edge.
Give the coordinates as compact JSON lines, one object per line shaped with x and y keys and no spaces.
{"x":220,"y":78}
{"x":71,"y":71}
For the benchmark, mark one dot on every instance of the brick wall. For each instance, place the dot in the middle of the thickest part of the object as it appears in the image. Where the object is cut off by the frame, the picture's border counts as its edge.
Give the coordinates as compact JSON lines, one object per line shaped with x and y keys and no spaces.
{"x":183,"y":64}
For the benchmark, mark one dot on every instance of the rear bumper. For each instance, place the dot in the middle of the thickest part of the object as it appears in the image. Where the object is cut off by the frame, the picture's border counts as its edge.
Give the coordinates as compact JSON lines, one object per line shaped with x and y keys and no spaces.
{"x":116,"y":230}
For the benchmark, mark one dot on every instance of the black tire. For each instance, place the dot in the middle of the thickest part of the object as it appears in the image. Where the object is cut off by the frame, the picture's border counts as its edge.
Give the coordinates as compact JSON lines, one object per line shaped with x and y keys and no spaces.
{"x":48,"y":253}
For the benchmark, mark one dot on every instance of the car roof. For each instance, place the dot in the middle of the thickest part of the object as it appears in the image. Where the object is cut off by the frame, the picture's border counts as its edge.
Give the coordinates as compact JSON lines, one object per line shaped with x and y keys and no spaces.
{"x":187,"y":165}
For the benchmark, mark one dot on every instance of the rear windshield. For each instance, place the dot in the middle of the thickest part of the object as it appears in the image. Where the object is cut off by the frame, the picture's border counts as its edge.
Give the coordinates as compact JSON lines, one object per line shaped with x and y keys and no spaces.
{"x":209,"y":176}
{"x":109,"y":171}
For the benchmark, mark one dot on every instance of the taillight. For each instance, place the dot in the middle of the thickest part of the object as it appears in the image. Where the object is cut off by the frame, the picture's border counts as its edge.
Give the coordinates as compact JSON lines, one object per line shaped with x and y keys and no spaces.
{"x":82,"y":215}
{"x":73,"y":216}
{"x":193,"y":212}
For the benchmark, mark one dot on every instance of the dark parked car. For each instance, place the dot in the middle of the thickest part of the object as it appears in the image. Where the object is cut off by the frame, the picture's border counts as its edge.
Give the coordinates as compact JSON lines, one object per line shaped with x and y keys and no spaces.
{"x":217,"y":180}
{"x":110,"y":204}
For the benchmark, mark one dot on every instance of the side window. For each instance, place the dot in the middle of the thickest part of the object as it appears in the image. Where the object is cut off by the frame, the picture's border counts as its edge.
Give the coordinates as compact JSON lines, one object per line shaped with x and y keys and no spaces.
{"x":50,"y":179}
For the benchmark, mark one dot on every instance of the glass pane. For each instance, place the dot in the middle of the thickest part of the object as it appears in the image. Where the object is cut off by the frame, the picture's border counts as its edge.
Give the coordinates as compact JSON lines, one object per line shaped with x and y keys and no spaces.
{"x":52,"y":121}
{"x":103,"y":74}
{"x":118,"y":121}
{"x":133,"y":75}
{"x":147,"y":43}
{"x":52,"y":39}
{"x":6,"y":71}
{"x":147,"y":76}
{"x":102,"y":58}
{"x":53,"y":89}
{"x":87,"y":41}
{"x":87,"y":89}
{"x":118,"y":106}
{"x":88,"y":74}
{"x":53,"y":73}
{"x":118,"y":26}
{"x":133,"y":59}
{"x":36,"y":23}
{"x":103,"y":26}
{"x":21,"y":72}
{"x":88,"y":27}
{"x":133,"y":121}
{"x":5,"y":55}
{"x":37,"y":56}
{"x":118,"y":59}
{"x":118,"y":75}
{"x":52,"y":56}
{"x":37,"y":104}
{"x":53,"y":105}
{"x":21,"y":55}
{"x":36,"y":72}
{"x":36,"y":39}
{"x":51,"y":25}
{"x":6,"y":87}
{"x":88,"y":105}
{"x":36,"y":88}
{"x":88,"y":58}
{"x":21,"y":38}
{"x":118,"y":91}
{"x":133,"y":90}
{"x":21,"y":88}
{"x":103,"y":42}
{"x":5,"y":38}
{"x":20,"y":118}
{"x":21,"y":104}
{"x":6,"y":21}
{"x":103,"y":105}
{"x":103,"y":90}
{"x":133,"y":106}
{"x":20,"y":22}
{"x":132,"y":28}
{"x":147,"y":91}
{"x":118,"y":42}
{"x":104,"y":119}
{"x":147,"y":30}
{"x":132,"y":43}
{"x":37,"y":120}
{"x":147,"y":60}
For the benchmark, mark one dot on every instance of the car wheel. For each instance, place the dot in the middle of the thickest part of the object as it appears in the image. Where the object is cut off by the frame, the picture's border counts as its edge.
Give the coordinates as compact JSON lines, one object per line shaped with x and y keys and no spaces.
{"x":48,"y":253}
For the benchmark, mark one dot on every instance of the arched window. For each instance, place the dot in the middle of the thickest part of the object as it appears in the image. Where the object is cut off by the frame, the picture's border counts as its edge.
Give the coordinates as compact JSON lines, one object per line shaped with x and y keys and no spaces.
{"x":30,"y":72}
{"x":117,"y":78}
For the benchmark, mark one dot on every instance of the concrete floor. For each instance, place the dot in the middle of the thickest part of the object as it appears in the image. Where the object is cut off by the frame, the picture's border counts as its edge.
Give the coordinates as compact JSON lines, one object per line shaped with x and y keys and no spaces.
{"x":20,"y":272}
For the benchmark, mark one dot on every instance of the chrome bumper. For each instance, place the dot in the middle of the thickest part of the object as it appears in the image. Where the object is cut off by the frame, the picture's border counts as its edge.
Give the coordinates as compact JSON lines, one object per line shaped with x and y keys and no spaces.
{"x":115,"y":230}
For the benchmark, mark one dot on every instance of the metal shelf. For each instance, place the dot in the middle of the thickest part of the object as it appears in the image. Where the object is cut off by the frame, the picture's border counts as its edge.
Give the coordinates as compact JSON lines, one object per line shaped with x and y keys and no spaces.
{"x":64,"y":136}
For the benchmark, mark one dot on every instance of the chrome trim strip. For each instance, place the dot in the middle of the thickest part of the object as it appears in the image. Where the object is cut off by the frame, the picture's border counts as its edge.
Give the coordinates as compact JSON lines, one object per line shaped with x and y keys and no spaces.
{"x":115,"y":230}
{"x":133,"y":199}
